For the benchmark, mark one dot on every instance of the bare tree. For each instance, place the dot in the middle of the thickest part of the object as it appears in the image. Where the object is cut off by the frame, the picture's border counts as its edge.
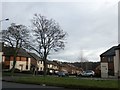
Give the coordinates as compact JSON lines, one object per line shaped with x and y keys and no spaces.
{"x":48,"y":37}
{"x":83,"y":60}
{"x":16,"y":36}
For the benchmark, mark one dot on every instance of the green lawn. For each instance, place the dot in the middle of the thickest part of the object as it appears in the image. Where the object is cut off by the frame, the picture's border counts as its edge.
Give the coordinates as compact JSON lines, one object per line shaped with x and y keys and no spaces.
{"x":69,"y":82}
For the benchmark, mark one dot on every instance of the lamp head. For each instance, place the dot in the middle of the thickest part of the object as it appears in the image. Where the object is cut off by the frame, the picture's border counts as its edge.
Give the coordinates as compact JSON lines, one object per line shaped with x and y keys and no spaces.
{"x":7,"y":19}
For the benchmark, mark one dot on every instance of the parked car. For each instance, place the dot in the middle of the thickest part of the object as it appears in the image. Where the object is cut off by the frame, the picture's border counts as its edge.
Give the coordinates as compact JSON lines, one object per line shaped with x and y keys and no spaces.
{"x":63,"y":74}
{"x":87,"y":73}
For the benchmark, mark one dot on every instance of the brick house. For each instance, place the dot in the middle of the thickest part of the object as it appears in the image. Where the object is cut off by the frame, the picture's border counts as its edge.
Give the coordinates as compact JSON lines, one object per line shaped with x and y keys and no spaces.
{"x":56,"y":66}
{"x":110,"y":62}
{"x":71,"y":69}
{"x":36,"y":60}
{"x":97,"y":71}
{"x":24,"y":60}
{"x":53,"y":67}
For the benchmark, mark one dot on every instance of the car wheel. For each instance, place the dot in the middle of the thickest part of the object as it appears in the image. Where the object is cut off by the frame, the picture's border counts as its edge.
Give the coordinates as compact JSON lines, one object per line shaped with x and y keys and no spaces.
{"x":91,"y":75}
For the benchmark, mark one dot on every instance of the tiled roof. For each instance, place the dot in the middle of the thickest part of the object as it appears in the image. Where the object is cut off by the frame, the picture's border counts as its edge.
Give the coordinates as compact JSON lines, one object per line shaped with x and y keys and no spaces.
{"x":109,"y":52}
{"x":118,"y":47}
{"x":10,"y":51}
{"x":36,"y":57}
{"x":53,"y":63}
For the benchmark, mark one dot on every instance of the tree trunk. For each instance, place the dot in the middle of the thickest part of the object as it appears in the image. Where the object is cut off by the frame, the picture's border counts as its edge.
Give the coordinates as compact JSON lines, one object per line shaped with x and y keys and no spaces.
{"x":45,"y":67}
{"x":14,"y":63}
{"x":35,"y":71}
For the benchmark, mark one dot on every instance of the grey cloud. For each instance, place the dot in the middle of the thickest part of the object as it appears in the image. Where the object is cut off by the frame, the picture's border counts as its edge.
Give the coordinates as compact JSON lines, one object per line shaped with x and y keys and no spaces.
{"x":89,"y":25}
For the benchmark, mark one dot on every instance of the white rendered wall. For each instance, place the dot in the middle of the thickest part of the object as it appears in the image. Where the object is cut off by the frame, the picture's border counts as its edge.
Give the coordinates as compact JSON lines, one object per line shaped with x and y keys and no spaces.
{"x":40,"y":65}
{"x":104,"y":70}
{"x":29,"y":63}
{"x":18,"y":65}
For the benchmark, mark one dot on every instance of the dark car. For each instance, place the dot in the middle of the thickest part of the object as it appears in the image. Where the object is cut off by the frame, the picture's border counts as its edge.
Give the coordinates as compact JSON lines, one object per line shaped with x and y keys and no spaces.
{"x":87,"y":73}
{"x":63,"y":74}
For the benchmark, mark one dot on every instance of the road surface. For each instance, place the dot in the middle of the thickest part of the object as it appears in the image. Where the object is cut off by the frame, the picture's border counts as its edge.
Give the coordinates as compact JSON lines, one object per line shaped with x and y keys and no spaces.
{"x":10,"y":85}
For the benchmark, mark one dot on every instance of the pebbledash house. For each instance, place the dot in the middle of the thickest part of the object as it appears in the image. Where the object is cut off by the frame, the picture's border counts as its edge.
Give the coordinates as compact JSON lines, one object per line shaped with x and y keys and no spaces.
{"x":110,"y":62}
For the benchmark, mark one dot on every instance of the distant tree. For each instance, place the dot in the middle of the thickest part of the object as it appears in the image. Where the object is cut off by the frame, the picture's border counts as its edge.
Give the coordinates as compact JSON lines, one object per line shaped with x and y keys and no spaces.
{"x":16,"y":36}
{"x":83,"y":61}
{"x":48,"y":37}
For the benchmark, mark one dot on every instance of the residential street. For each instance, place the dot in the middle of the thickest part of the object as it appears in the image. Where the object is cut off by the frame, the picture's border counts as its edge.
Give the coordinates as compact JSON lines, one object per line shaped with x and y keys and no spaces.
{"x":10,"y":85}
{"x":18,"y":85}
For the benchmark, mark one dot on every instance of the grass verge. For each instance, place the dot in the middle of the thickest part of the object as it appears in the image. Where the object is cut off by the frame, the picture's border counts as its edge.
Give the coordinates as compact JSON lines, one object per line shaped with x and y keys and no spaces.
{"x":69,"y":82}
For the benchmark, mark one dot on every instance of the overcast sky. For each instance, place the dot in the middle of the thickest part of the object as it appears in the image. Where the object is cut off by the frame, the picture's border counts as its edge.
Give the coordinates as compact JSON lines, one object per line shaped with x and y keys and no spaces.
{"x":92,"y":27}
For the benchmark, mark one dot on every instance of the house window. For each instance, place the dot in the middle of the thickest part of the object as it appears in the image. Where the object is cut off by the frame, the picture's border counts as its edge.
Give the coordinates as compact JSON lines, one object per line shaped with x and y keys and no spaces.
{"x":110,"y":72}
{"x":103,"y":59}
{"x":17,"y":58}
{"x":23,"y":59}
{"x":110,"y":59}
{"x":41,"y":62}
{"x":11,"y":58}
{"x":26,"y":66}
{"x":7,"y":58}
{"x":48,"y":66}
{"x":21,"y":67}
{"x":41,"y":69}
{"x":27,"y":60}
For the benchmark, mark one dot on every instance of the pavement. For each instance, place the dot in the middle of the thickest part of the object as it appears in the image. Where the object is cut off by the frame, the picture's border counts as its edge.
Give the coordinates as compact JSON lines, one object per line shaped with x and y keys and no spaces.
{"x":8,"y":78}
{"x":9,"y":84}
{"x":19,"y":85}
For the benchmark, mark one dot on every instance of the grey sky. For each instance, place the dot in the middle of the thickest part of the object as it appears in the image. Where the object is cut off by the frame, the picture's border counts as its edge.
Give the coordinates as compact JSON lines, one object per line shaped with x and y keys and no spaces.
{"x":92,"y":27}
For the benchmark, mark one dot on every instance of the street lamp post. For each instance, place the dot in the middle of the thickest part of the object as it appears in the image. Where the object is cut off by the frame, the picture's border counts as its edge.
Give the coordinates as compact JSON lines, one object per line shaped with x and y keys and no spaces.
{"x":0,"y":48}
{"x":4,"y":20}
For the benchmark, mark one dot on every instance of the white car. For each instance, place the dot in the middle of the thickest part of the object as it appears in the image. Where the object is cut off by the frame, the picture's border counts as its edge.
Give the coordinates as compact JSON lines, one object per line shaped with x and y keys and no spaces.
{"x":88,"y":73}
